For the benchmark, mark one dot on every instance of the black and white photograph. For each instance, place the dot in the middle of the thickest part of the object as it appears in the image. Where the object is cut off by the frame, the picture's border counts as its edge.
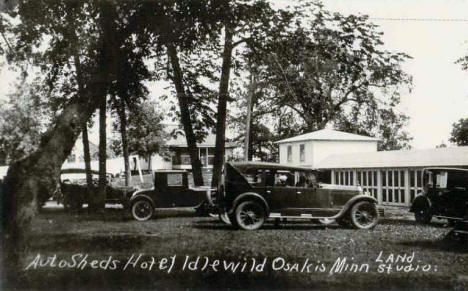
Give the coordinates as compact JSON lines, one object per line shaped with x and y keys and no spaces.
{"x":234,"y":145}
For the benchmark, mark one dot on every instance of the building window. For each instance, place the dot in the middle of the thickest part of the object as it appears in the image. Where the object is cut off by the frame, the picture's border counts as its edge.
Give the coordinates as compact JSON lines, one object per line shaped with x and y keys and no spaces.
{"x":302,"y":152}
{"x":289,"y":153}
{"x":393,"y":186}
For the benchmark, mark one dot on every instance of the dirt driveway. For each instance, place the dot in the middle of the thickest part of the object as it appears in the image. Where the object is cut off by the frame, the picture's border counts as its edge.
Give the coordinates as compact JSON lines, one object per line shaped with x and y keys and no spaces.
{"x":177,"y":250}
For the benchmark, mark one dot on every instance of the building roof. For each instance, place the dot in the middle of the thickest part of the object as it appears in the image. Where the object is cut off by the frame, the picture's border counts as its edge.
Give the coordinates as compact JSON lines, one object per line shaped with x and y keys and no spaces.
{"x":264,"y":165}
{"x":209,"y":142}
{"x":438,"y":157}
{"x":328,"y":134}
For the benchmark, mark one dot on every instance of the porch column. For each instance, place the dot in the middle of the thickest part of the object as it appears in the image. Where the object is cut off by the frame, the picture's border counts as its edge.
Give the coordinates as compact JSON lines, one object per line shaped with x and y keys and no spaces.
{"x":333,"y":177}
{"x":407,"y":188}
{"x":379,"y":186}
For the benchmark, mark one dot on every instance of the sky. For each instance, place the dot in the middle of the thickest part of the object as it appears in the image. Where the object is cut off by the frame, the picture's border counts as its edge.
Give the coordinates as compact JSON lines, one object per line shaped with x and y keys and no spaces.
{"x":440,"y":88}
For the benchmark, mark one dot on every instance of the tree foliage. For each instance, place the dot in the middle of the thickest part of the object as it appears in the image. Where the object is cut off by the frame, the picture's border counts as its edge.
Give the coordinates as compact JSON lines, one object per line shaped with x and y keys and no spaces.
{"x":321,"y":68}
{"x":459,"y":134}
{"x":146,"y":135}
{"x":23,"y":118}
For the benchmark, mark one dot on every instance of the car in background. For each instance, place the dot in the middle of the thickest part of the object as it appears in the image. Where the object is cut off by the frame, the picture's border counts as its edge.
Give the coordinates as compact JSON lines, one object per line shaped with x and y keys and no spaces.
{"x":74,"y":191}
{"x":170,"y":189}
{"x":252,"y":192}
{"x":445,"y":195}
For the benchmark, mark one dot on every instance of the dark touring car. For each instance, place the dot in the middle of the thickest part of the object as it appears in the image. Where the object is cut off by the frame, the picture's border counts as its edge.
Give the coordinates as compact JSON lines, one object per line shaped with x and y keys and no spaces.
{"x":251,"y":192}
{"x":170,"y":190}
{"x":445,"y":195}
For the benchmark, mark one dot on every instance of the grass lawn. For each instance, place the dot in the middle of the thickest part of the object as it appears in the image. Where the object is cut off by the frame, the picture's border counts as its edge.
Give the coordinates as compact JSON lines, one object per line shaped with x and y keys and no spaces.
{"x":294,"y":255}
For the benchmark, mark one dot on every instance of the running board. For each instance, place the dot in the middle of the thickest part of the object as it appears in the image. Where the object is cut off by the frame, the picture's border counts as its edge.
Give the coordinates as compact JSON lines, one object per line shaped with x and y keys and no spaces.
{"x":302,"y":216}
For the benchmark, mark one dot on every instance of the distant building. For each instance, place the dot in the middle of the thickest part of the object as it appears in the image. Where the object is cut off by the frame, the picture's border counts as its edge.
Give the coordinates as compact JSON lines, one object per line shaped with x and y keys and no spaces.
{"x":392,"y":177}
{"x":311,"y":148}
{"x":206,"y":149}
{"x":179,"y":152}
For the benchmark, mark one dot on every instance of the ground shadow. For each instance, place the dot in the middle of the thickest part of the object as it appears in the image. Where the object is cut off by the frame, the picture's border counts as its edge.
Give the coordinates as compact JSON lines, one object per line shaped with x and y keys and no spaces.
{"x":448,"y":242}
{"x":95,"y":242}
{"x":393,"y":221}
{"x":270,"y":225}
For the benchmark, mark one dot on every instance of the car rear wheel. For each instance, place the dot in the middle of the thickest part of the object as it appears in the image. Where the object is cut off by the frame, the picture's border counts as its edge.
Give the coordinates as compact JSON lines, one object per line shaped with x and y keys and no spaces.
{"x":422,"y":214}
{"x":223,"y":217}
{"x":142,"y":210}
{"x":326,"y":221}
{"x":364,"y":215}
{"x":250,"y":215}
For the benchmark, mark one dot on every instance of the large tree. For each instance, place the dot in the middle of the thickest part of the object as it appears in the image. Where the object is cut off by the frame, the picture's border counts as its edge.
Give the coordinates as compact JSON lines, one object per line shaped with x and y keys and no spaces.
{"x":328,"y":69}
{"x":43,"y":25}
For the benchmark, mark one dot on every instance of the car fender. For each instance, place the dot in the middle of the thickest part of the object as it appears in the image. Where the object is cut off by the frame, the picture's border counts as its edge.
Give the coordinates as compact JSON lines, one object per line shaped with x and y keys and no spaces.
{"x":352,"y":201}
{"x":141,"y":194}
{"x":419,"y":200}
{"x":250,"y":195}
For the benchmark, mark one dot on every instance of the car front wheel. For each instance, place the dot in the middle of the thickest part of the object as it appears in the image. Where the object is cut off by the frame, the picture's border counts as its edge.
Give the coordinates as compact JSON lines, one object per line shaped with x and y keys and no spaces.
{"x":364,"y":215}
{"x":250,"y":215}
{"x":142,"y":210}
{"x":422,"y":214}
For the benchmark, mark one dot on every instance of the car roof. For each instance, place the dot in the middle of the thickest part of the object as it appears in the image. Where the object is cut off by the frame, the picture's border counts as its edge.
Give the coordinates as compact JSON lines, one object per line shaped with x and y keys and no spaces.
{"x":264,"y":165}
{"x":446,"y":169}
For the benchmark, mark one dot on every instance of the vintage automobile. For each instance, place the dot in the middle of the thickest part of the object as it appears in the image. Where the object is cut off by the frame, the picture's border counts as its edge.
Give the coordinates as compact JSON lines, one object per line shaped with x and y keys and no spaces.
{"x":170,"y":190}
{"x":252,"y":192}
{"x":445,"y":195}
{"x":74,"y":191}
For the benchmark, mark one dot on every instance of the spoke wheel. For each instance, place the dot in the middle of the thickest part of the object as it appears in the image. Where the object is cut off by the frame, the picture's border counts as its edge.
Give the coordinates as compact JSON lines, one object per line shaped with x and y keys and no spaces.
{"x":250,"y":215}
{"x":142,"y":210}
{"x":364,"y":215}
{"x":423,"y":214}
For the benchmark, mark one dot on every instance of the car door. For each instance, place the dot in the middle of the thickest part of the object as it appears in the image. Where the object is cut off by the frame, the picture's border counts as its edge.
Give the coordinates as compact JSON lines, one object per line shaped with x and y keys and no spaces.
{"x":172,"y":193}
{"x":289,"y":196}
{"x":457,"y":196}
{"x":441,"y":194}
{"x":310,"y":198}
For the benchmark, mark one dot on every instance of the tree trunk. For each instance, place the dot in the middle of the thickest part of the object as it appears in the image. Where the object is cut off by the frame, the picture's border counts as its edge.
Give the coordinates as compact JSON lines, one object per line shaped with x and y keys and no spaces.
{"x":31,"y":180}
{"x":150,"y":163}
{"x":35,"y":177}
{"x":248,"y":121}
{"x":123,"y":133}
{"x":87,"y":159}
{"x":98,"y":199}
{"x":185,"y":116}
{"x":222,"y":103}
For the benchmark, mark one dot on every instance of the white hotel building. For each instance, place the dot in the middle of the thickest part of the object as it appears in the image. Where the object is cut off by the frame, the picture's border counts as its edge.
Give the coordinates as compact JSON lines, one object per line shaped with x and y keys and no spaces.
{"x":392,"y":177}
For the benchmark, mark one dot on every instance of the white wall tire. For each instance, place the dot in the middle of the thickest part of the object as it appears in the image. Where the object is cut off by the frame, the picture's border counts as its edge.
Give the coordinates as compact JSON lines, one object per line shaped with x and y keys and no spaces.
{"x":223,"y":217}
{"x":364,"y":215}
{"x":142,"y":210}
{"x":326,"y":221}
{"x":250,"y":215}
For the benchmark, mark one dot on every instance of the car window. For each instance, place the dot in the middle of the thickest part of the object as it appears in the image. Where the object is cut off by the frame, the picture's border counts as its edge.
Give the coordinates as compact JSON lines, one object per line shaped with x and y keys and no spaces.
{"x":174,"y":179}
{"x":441,"y":180}
{"x":254,"y":176}
{"x":283,"y":178}
{"x":457,"y":180}
{"x":289,"y":178}
{"x":305,"y":179}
